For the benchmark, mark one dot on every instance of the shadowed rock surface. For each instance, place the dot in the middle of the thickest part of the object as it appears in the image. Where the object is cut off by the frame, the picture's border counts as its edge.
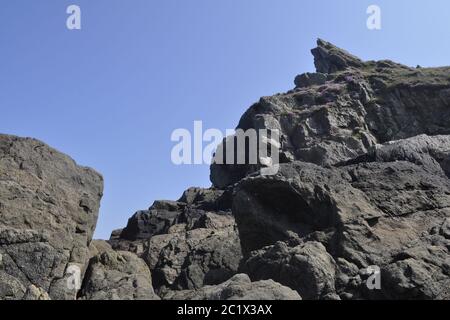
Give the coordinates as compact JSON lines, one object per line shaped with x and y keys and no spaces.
{"x":307,"y":268}
{"x":186,"y":244}
{"x":363,"y":182}
{"x":361,"y":104}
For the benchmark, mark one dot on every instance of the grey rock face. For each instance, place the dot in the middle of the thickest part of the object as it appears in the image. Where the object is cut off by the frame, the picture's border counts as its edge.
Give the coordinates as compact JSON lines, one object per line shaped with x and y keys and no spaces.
{"x":10,"y":287}
{"x":307,"y":268}
{"x":310,"y":79}
{"x":192,"y":259}
{"x":330,"y":59}
{"x":239,"y":287}
{"x":358,"y":105}
{"x":48,"y":212}
{"x":363,"y":183}
{"x":145,"y":224}
{"x":445,"y":229}
{"x":34,"y":293}
{"x":370,"y":213}
{"x":117,"y":275}
{"x":190,"y":210}
{"x":187,"y":244}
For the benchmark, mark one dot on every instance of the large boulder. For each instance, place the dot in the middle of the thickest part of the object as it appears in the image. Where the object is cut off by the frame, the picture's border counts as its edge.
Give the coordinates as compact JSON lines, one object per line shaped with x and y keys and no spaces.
{"x":188,"y":243}
{"x":307,"y":268}
{"x":345,"y":109}
{"x":359,"y":207}
{"x":116,"y":275}
{"x":238,"y":287}
{"x":48,"y":212}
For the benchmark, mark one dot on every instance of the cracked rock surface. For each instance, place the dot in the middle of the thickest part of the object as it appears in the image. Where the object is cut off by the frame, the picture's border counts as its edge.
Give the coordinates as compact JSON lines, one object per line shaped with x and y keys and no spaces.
{"x":363,"y":182}
{"x":48,"y":212}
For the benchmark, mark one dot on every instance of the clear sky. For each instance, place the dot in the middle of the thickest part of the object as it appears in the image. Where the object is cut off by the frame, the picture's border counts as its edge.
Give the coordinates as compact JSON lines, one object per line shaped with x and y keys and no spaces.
{"x":110,"y":94}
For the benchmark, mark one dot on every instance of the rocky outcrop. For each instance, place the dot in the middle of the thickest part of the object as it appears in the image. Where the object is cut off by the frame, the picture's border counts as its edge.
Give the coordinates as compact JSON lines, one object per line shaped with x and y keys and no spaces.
{"x":194,"y":258}
{"x":362,"y":194}
{"x":188,"y":243}
{"x":116,"y":275}
{"x":239,"y":287}
{"x":48,"y":212}
{"x":365,"y":214}
{"x":363,"y":181}
{"x":307,"y":268}
{"x":330,"y":59}
{"x":346,"y":109}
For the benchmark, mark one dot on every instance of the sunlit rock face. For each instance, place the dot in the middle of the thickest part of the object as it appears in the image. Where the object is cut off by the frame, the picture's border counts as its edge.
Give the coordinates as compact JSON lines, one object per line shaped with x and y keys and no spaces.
{"x":363,"y":185}
{"x":346,"y":109}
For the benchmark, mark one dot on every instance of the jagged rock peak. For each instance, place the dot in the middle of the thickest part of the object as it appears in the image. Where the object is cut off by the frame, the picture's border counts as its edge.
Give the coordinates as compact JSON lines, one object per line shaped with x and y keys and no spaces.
{"x":328,"y":58}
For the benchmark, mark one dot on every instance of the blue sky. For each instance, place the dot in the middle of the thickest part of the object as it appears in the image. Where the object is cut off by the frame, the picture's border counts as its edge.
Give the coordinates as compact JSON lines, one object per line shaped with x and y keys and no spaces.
{"x":111,"y":94}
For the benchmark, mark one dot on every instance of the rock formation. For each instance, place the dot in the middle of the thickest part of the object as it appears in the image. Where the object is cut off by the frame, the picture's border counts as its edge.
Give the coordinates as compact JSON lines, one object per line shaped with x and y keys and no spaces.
{"x":116,"y":275}
{"x":239,"y":287}
{"x":48,"y":213}
{"x":363,"y":183}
